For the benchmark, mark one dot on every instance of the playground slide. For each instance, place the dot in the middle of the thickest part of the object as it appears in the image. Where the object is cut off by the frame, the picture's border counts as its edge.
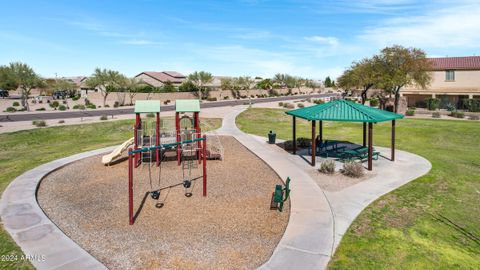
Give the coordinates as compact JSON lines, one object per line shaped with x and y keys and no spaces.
{"x":117,"y":152}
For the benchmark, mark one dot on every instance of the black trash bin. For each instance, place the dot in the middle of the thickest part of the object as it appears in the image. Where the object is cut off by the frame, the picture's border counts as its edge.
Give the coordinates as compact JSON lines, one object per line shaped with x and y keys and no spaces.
{"x":271,"y":137}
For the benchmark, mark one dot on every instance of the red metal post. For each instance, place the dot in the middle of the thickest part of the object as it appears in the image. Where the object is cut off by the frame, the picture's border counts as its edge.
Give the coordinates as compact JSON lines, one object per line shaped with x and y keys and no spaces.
{"x":177,"y":127}
{"x":204,"y":155}
{"x":130,"y":186}
{"x":138,"y":125}
{"x":157,"y":138}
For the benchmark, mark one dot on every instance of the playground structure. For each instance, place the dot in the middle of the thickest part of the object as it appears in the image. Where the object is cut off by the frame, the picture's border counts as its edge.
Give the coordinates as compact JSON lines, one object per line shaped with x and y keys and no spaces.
{"x":150,"y":146}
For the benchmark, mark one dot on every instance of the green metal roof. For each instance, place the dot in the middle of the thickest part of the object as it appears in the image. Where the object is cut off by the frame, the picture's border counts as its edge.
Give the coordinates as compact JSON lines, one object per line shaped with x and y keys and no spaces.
{"x":187,"y":105}
{"x":345,"y":111}
{"x":147,"y":106}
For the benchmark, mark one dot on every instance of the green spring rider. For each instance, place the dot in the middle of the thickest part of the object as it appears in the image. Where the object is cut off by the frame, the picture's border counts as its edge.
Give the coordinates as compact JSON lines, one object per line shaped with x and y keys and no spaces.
{"x":280,"y":195}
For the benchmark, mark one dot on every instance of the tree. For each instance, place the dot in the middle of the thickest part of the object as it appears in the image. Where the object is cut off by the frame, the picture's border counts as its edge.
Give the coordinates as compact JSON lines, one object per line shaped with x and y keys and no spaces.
{"x":188,"y":86}
{"x":168,"y":87}
{"x":226,"y":83}
{"x":7,"y":79}
{"x":133,"y":87}
{"x":328,"y":82}
{"x":106,"y":81}
{"x":200,"y":79}
{"x":265,"y":84}
{"x":400,"y":66}
{"x":20,"y":75}
{"x":361,"y":75}
{"x":66,"y":85}
{"x":312,"y":84}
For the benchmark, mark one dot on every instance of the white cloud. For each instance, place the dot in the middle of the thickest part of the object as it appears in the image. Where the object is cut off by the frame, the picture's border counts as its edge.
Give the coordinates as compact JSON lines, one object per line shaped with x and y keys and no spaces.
{"x":330,"y":41}
{"x":456,"y":26}
{"x":141,"y":42}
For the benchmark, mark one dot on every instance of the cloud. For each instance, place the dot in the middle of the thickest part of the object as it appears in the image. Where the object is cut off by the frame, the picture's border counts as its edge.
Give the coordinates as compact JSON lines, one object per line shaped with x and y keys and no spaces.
{"x":451,"y":27}
{"x":330,"y":41}
{"x":141,"y":42}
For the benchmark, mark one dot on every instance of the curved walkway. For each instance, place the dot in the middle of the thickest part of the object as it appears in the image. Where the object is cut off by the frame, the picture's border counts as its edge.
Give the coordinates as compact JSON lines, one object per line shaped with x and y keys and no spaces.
{"x":319,"y":219}
{"x":38,"y":237}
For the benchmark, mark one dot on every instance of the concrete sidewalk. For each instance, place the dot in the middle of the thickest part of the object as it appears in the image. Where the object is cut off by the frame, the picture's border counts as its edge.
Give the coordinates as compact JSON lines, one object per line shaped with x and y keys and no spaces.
{"x":309,"y":237}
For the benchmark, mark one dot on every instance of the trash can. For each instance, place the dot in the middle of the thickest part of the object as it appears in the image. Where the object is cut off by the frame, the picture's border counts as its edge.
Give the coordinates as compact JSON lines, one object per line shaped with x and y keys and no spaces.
{"x":271,"y":137}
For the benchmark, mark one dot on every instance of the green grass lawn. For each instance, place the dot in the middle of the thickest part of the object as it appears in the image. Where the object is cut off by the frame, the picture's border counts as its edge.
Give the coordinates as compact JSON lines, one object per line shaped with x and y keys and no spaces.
{"x":23,"y":150}
{"x":431,"y":223}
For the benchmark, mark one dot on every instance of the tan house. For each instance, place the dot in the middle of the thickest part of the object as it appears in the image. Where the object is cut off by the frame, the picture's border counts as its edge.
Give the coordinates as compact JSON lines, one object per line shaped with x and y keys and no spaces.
{"x":453,"y":79}
{"x":158,"y":79}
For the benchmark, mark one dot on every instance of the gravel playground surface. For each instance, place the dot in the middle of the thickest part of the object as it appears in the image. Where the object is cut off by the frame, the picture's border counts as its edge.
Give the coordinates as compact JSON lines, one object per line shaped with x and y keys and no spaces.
{"x":232,"y":228}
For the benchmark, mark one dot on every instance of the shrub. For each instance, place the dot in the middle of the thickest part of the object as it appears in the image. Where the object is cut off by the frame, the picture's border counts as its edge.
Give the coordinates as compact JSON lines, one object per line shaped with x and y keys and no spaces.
{"x":79,"y":107}
{"x":300,"y":105}
{"x":150,"y":115}
{"x":39,"y":123}
{"x":318,"y":101}
{"x":116,"y":104}
{"x":106,"y":106}
{"x":474,"y":117}
{"x":10,"y":109}
{"x":40,"y":109}
{"x":226,"y":97}
{"x":374,"y":102}
{"x":54,"y":104}
{"x":75,"y":98}
{"x":472,"y":105}
{"x":15,"y":104}
{"x":288,"y":105}
{"x":436,"y":115}
{"x":212,"y":99}
{"x":432,"y":103}
{"x":91,"y":106}
{"x":410,"y":112}
{"x":327,"y":166}
{"x":103,"y":117}
{"x":87,"y":101}
{"x":62,"y":107}
{"x":459,"y":115}
{"x":61,"y":121}
{"x":280,"y":104}
{"x":353,"y":169}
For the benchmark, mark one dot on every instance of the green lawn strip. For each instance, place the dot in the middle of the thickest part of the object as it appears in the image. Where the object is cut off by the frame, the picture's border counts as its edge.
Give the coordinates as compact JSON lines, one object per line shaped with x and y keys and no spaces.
{"x":24,"y":150}
{"x":432,"y":222}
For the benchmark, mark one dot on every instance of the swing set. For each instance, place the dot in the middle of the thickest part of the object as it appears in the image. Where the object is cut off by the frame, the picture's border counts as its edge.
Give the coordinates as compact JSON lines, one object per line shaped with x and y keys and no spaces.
{"x":189,"y":145}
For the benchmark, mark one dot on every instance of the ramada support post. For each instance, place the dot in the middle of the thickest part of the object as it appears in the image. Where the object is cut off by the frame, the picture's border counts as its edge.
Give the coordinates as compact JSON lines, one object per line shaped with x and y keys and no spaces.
{"x":370,"y":145}
{"x":393,"y":140}
{"x":138,"y":126}
{"x":314,"y":145}
{"x":204,"y":156}
{"x":157,"y":139}
{"x":364,"y":134}
{"x":130,"y":186}
{"x":177,"y":128}
{"x":320,"y":131}
{"x":294,"y":135}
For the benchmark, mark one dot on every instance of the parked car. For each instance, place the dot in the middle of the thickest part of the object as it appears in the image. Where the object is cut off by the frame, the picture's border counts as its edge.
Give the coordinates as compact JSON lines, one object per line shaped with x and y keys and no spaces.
{"x":3,"y":93}
{"x":59,"y":94}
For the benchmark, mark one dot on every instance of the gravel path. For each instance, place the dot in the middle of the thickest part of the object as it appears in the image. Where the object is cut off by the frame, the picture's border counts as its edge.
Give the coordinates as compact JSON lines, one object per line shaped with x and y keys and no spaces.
{"x":232,"y":228}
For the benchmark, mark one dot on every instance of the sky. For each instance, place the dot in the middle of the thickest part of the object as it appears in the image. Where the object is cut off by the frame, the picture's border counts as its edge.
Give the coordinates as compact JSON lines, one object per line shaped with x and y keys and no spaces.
{"x":312,"y":39}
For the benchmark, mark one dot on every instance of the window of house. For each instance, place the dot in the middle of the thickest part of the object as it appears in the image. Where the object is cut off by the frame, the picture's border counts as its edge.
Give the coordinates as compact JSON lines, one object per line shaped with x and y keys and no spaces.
{"x":450,"y":75}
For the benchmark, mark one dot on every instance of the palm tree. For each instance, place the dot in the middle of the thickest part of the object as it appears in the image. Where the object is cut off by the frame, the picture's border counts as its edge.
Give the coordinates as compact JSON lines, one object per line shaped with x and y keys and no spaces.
{"x":200,"y":79}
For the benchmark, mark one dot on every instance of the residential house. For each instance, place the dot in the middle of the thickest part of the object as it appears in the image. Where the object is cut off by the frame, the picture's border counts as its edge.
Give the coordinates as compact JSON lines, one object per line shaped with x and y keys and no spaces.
{"x":453,"y":80}
{"x":158,"y":79}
